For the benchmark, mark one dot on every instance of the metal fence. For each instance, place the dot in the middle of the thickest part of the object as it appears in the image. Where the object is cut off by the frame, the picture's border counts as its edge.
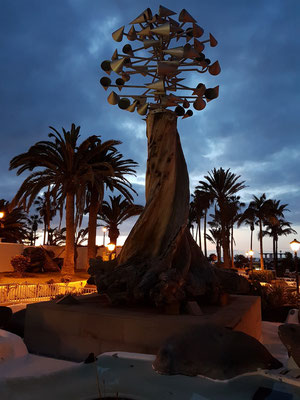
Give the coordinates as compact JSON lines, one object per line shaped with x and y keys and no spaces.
{"x":21,"y":293}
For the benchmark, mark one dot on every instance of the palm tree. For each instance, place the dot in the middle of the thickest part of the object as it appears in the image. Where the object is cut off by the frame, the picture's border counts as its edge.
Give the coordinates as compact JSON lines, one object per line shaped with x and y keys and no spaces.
{"x":115,"y":212}
{"x":248,"y":218}
{"x":276,"y":225}
{"x":34,"y":221}
{"x":233,"y":208}
{"x":202,"y":201}
{"x":14,"y":224}
{"x":46,"y":207}
{"x":222,"y":185}
{"x":109,"y":171}
{"x":196,"y":213}
{"x":259,"y":206}
{"x":215,"y":237}
{"x":274,"y":230}
{"x":56,"y":237}
{"x":64,"y":167}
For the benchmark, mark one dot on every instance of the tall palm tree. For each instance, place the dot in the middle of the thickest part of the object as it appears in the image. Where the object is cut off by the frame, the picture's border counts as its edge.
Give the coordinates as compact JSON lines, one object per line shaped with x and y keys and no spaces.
{"x":260,"y":207}
{"x":233,"y":207}
{"x":215,"y":237}
{"x":115,"y":212}
{"x":248,"y":218}
{"x":222,"y":185}
{"x":34,"y":221}
{"x":203,"y":200}
{"x":275,"y":230}
{"x":196,"y":212}
{"x":110,"y":169}
{"x":46,"y":207}
{"x":275,"y":224}
{"x":65,"y":167}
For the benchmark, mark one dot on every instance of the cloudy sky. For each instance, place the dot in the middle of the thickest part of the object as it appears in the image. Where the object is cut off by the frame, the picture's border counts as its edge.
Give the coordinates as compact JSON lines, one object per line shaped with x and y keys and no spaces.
{"x":50,"y":59}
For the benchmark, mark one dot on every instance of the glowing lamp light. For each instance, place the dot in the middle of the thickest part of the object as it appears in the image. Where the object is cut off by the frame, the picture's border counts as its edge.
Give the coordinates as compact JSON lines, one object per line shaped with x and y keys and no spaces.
{"x":111,"y":246}
{"x":250,"y":252}
{"x":295,"y":245}
{"x":104,"y":229}
{"x":247,"y":254}
{"x":2,"y":213}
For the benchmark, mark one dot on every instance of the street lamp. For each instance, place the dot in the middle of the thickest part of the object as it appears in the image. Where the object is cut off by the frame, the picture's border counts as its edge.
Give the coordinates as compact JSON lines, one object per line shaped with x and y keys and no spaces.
{"x":295,"y":246}
{"x":2,"y":215}
{"x":251,"y":252}
{"x":111,"y":247}
{"x":104,"y":229}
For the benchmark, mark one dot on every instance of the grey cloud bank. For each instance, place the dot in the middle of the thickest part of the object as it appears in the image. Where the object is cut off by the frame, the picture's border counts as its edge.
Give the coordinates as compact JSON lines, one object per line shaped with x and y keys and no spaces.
{"x":50,"y":68}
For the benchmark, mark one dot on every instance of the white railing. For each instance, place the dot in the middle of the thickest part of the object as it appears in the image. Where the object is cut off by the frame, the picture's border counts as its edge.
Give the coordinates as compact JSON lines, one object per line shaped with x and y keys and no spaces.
{"x":19,"y":293}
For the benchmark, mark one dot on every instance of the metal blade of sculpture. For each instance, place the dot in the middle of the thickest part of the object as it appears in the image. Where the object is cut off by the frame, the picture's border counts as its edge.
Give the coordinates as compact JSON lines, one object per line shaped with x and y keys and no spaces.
{"x":159,"y":58}
{"x":160,"y":263}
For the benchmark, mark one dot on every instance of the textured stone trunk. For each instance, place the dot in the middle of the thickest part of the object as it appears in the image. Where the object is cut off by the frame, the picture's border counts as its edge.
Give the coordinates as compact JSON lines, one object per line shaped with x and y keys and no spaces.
{"x":167,"y":192}
{"x":160,"y":263}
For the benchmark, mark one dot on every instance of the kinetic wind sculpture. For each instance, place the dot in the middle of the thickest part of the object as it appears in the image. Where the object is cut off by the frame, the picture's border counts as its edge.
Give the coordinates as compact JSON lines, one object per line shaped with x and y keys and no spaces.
{"x":160,"y":263}
{"x":165,"y":65}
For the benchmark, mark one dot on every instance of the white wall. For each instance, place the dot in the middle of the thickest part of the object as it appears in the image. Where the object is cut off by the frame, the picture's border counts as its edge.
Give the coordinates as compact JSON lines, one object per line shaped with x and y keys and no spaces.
{"x":9,"y":250}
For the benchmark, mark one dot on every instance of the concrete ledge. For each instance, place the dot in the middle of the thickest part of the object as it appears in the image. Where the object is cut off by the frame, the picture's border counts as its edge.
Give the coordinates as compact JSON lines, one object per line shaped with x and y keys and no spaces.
{"x":73,"y":331}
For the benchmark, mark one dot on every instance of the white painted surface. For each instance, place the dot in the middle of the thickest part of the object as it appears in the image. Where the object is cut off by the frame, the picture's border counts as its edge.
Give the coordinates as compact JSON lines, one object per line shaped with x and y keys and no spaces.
{"x":130,"y":375}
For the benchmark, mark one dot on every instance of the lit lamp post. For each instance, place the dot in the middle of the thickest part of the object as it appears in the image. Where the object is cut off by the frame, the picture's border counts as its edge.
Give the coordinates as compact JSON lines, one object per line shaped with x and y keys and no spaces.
{"x":2,"y":215}
{"x":111,"y":247}
{"x":104,"y":229}
{"x":295,"y":246}
{"x":251,"y":252}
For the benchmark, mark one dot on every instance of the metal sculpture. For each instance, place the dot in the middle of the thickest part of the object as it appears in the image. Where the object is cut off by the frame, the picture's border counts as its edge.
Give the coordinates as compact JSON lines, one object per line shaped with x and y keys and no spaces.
{"x":164,"y":64}
{"x":160,"y":263}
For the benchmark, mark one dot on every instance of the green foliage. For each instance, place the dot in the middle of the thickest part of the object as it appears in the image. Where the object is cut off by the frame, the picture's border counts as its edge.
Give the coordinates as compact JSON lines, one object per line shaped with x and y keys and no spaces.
{"x":240,"y":261}
{"x":20,"y":263}
{"x":14,"y":225}
{"x":115,"y":212}
{"x":262,"y":276}
{"x":275,"y":296}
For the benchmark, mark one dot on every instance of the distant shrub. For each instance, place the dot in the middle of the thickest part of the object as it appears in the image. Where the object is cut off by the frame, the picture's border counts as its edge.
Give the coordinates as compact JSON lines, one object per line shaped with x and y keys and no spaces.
{"x":20,"y":264}
{"x":276,"y":302}
{"x":262,"y":276}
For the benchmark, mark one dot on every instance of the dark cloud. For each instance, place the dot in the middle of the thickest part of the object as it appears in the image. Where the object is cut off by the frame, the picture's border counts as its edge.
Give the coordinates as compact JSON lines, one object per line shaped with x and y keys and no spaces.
{"x":49,"y":66}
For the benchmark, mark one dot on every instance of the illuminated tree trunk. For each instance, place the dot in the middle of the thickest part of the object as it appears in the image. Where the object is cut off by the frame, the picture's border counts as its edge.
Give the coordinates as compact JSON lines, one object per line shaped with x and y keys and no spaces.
{"x":160,"y":262}
{"x":69,"y":264}
{"x":92,"y":224}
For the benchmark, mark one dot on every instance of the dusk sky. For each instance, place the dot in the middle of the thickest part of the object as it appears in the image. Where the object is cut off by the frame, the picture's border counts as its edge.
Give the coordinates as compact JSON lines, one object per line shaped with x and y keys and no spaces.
{"x":50,"y":59}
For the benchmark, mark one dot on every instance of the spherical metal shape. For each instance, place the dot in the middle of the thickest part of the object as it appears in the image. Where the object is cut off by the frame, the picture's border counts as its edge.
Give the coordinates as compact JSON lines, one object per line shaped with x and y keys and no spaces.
{"x":124,"y":103}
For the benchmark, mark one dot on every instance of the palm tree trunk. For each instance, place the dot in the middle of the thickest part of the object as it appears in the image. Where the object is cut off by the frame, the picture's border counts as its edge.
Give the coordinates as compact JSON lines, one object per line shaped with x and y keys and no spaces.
{"x":45,"y":228}
{"x":251,"y":239}
{"x":204,"y":232}
{"x":68,"y":265}
{"x":275,"y":254}
{"x":232,"y":258}
{"x":218,"y":249}
{"x":225,"y":243}
{"x":196,"y":236}
{"x":92,"y":224}
{"x":261,"y":246}
{"x":199,"y":230}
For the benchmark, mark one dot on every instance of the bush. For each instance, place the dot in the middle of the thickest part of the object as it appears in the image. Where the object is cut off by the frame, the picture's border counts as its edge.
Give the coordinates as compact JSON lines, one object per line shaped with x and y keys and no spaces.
{"x":37,"y":258}
{"x":20,"y":264}
{"x":262,"y":276}
{"x":276,"y":301}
